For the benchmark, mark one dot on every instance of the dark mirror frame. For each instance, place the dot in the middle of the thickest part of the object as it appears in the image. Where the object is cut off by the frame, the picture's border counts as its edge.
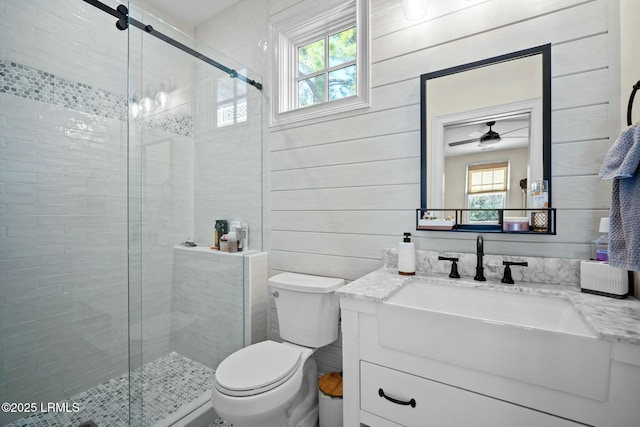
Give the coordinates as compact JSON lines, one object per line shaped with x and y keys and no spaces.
{"x":545,"y":50}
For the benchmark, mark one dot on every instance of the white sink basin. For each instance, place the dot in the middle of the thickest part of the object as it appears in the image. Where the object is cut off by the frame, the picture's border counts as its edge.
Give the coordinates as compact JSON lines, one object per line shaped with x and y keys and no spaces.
{"x":532,"y":311}
{"x":537,"y":339}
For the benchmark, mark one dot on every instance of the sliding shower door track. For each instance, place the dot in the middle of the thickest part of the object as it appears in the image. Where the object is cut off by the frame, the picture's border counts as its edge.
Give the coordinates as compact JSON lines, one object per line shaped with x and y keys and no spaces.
{"x":122,"y":14}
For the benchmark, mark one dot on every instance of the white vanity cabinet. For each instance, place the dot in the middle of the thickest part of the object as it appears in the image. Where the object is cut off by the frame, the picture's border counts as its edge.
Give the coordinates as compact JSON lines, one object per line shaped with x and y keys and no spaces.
{"x":448,"y":395}
{"x":436,"y":404}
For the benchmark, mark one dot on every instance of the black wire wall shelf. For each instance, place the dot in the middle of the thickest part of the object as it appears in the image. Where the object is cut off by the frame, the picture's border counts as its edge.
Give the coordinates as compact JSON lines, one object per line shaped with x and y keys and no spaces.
{"x":507,"y":221}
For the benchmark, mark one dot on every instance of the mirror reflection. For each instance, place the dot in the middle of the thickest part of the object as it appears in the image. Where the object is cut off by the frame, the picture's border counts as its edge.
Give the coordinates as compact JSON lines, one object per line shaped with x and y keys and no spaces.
{"x":486,"y":133}
{"x":486,"y":165}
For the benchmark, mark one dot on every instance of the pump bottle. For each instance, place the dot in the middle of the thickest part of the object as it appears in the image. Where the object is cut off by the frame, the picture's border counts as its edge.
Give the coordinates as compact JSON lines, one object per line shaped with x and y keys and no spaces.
{"x":407,"y":256}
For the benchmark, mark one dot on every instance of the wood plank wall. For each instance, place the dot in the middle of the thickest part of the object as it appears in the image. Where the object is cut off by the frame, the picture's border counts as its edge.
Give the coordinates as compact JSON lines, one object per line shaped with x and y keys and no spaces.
{"x":340,"y":190}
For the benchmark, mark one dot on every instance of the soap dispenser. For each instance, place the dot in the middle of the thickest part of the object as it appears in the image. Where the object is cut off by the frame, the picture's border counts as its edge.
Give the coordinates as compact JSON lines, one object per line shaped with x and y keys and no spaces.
{"x":407,"y":256}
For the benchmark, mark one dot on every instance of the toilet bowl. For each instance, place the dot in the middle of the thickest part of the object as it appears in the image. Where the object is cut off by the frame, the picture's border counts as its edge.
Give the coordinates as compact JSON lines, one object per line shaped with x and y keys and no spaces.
{"x":263,"y":401}
{"x":272,"y":384}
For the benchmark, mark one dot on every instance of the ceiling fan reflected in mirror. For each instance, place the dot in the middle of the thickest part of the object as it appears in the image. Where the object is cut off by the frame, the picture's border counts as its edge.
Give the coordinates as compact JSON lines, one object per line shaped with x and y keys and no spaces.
{"x":491,"y":137}
{"x":487,"y":138}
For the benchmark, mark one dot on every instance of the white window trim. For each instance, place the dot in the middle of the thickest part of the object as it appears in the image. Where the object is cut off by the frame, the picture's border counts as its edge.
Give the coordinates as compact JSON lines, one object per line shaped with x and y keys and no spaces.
{"x":303,"y":23}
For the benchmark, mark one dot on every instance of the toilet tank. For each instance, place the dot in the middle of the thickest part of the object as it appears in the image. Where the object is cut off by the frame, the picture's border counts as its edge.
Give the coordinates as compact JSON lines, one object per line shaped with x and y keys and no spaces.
{"x":308,"y":309}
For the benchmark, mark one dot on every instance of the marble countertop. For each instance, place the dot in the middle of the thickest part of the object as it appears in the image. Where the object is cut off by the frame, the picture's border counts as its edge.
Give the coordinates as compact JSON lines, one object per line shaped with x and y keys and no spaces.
{"x":610,"y":319}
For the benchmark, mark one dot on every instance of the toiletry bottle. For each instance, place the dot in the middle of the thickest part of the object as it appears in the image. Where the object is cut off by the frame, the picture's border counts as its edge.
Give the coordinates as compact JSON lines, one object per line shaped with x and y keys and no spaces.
{"x":232,"y":242}
{"x":601,"y":244}
{"x":237,"y":227}
{"x":407,"y":256}
{"x":245,"y":236}
{"x":221,"y":229}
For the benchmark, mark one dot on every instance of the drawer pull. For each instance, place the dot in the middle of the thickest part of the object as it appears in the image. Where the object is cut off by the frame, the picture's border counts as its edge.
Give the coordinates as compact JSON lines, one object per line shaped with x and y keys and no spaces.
{"x":411,"y":403}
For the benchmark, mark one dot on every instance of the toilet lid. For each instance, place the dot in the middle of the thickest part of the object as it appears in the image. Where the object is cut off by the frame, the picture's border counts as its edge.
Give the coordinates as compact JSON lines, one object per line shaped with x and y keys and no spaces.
{"x":257,"y":368}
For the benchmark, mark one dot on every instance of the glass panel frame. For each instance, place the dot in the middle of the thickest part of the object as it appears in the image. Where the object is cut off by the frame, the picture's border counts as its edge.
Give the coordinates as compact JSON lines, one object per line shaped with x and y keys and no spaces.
{"x":134,"y":219}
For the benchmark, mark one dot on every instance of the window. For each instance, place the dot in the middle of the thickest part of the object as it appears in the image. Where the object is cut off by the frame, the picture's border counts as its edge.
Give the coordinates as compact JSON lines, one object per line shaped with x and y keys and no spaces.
{"x":327,"y":68}
{"x":320,"y":63}
{"x":487,"y":186}
{"x":231,"y":97}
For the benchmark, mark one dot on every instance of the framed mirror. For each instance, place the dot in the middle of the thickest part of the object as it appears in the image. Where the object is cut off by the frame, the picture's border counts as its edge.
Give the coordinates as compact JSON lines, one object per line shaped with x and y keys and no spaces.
{"x":486,"y":132}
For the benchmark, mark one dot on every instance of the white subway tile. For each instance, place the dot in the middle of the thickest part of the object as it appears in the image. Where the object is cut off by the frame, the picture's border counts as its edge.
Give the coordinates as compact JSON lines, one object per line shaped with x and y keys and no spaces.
{"x":17,"y":154}
{"x":40,"y":251}
{"x":25,"y":188}
{"x":10,"y":220}
{"x":20,"y":166}
{"x":73,"y":219}
{"x":16,"y":264}
{"x":19,"y":134}
{"x":34,"y":230}
{"x":62,"y":279}
{"x":12,"y":176}
{"x":41,"y":148}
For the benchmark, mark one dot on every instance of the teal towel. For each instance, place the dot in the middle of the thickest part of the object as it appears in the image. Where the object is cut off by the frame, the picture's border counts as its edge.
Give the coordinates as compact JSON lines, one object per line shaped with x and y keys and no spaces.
{"x":622,"y":164}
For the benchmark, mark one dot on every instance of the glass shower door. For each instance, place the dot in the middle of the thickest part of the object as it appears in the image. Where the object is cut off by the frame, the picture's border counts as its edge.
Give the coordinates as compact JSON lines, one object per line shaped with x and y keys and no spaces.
{"x":163,"y":378}
{"x":195,"y":155}
{"x":63,"y":215}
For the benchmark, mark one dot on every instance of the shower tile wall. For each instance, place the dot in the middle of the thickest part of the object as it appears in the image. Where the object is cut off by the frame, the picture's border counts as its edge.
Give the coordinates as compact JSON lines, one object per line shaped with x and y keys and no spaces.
{"x":63,"y":202}
{"x":64,"y":250}
{"x":208,"y":304}
{"x":63,"y":241}
{"x":167,"y":210}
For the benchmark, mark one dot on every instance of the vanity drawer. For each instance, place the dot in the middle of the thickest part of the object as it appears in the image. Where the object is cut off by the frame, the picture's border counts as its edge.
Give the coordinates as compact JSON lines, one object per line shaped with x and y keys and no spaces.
{"x":437,"y":404}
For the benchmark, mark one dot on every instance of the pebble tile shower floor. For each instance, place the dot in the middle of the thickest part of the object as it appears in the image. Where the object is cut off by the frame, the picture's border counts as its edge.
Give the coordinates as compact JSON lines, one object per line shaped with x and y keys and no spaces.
{"x":167,"y":383}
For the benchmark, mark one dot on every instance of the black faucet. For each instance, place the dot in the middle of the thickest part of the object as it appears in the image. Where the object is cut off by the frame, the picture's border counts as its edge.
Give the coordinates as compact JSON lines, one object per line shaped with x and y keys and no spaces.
{"x":454,"y":266}
{"x":480,"y":253}
{"x":507,"y":278}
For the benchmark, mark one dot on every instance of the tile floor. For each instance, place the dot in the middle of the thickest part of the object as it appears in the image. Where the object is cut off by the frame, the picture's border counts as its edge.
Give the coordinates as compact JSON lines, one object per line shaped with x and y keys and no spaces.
{"x":167,"y":383}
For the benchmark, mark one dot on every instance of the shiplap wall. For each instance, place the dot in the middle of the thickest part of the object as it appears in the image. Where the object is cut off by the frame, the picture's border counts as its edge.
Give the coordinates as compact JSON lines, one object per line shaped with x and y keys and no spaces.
{"x":342,"y":189}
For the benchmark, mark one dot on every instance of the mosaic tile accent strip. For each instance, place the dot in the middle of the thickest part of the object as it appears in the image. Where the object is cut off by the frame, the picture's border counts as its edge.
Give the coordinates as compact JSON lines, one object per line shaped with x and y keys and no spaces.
{"x":31,"y":83}
{"x":167,"y":383}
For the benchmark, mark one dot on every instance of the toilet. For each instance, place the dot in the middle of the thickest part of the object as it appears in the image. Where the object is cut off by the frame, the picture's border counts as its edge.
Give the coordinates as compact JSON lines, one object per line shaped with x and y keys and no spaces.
{"x":273,"y":384}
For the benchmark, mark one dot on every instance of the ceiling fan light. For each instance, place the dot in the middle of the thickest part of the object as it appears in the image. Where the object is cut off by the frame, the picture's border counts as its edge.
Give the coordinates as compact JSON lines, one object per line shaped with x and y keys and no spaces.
{"x":490,"y":137}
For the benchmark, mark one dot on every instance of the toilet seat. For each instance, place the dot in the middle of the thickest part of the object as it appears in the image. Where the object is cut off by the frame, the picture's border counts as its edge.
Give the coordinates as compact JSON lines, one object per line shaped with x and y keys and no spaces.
{"x":257,"y":368}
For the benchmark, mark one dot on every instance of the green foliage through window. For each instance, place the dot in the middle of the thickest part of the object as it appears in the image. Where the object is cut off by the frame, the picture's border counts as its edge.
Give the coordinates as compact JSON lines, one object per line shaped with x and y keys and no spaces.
{"x":327,"y":68}
{"x":342,"y":47}
{"x":311,"y":58}
{"x":485,"y":201}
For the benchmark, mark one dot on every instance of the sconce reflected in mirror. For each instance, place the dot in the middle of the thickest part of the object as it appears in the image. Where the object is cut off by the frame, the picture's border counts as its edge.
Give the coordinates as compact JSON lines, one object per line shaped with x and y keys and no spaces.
{"x":154,"y":98}
{"x":147,"y":103}
{"x":162,"y":96}
{"x":134,"y":105}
